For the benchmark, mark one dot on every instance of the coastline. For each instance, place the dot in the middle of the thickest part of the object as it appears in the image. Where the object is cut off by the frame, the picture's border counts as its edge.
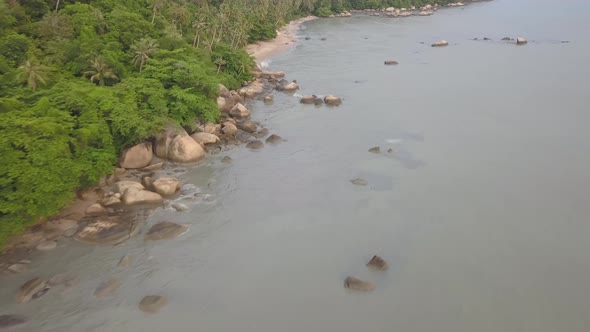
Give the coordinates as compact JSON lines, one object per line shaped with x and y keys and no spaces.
{"x":285,"y":40}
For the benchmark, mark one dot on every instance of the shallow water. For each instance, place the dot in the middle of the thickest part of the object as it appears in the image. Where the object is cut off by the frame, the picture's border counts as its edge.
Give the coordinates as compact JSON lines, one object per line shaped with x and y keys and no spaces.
{"x":481,"y":209}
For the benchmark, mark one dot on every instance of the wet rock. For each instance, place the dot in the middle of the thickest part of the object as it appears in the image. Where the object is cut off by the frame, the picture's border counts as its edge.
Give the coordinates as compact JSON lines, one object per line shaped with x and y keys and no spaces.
{"x":124,"y":262}
{"x":122,"y":186}
{"x":18,"y":268}
{"x":359,"y":182}
{"x":391,"y":62}
{"x":332,"y":100}
{"x":166,"y":230}
{"x":307,"y":38}
{"x":29,"y":289}
{"x":225,"y":104}
{"x":284,"y":85}
{"x":9,"y":321}
{"x":521,"y":41}
{"x":152,"y":303}
{"x":40,"y":293}
{"x":229,"y":129}
{"x":107,"y":288}
{"x":239,"y":111}
{"x":62,"y":224}
{"x":255,"y":145}
{"x":46,"y":245}
{"x":358,"y":284}
{"x":110,"y":201}
{"x":324,"y":38}
{"x":308,"y":99}
{"x":441,"y":43}
{"x":253,"y":89}
{"x":205,"y":138}
{"x":275,"y":74}
{"x":268,"y":99}
{"x":166,"y":186}
{"x":226,"y":160}
{"x":108,"y":230}
{"x":134,"y":196}
{"x":176,"y":145}
{"x":147,"y":182}
{"x":137,"y":156}
{"x":486,"y":38}
{"x":261,"y":133}
{"x":52,"y":234}
{"x":243,"y":136}
{"x":247,"y":126}
{"x":96,"y":209}
{"x":506,"y":38}
{"x":70,"y":232}
{"x":179,"y":207}
{"x":375,"y":149}
{"x":390,"y":151}
{"x":378,"y":263}
{"x":274,"y":139}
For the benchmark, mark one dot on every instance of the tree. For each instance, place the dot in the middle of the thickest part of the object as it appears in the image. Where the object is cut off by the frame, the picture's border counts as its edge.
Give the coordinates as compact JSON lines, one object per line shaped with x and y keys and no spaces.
{"x":197,"y":25}
{"x":143,"y":51}
{"x":32,"y":73}
{"x":219,"y":62}
{"x":100,"y":71}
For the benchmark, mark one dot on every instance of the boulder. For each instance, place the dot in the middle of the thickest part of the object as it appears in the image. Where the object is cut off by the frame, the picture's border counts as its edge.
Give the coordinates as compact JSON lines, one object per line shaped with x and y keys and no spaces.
{"x":147,"y":182}
{"x":255,"y":145}
{"x":122,"y":186}
{"x":204,"y":138}
{"x":225,"y":104}
{"x":359,"y":182}
{"x":175,"y":144}
{"x":391,"y":62}
{"x":110,"y":201}
{"x":252,"y":89}
{"x":506,"y":38}
{"x":441,"y":43}
{"x":521,"y":41}
{"x":10,"y":321}
{"x":272,"y":74}
{"x":308,"y":99}
{"x":151,"y":304}
{"x":261,"y":133}
{"x":95,"y":209}
{"x":226,"y":160}
{"x":18,"y":268}
{"x":243,"y":136}
{"x":358,"y":284}
{"x":237,"y":98}
{"x":239,"y":111}
{"x":46,"y":245}
{"x":166,"y":230}
{"x":247,"y":126}
{"x":134,"y":196}
{"x":375,"y":149}
{"x":166,"y":186}
{"x":291,"y":86}
{"x":62,"y":224}
{"x":107,"y":288}
{"x":137,"y":156}
{"x":229,"y":129}
{"x":268,"y":99}
{"x":274,"y":139}
{"x":378,"y":263}
{"x":224,"y":92}
{"x":108,"y":230}
{"x":29,"y":289}
{"x":332,"y":100}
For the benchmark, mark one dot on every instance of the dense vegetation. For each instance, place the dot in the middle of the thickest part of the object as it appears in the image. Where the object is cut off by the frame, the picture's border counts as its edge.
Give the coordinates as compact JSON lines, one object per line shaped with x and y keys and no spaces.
{"x":80,"y":80}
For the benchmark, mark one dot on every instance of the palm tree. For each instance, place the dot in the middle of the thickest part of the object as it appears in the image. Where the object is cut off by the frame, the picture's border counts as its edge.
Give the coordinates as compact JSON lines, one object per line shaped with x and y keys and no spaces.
{"x":32,"y":72}
{"x":219,"y":62}
{"x":144,"y":49}
{"x":197,"y":25}
{"x":100,"y":71}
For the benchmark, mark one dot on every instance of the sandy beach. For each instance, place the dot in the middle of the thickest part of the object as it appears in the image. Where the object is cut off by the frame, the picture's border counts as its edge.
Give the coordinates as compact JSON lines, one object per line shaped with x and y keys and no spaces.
{"x":286,"y":38}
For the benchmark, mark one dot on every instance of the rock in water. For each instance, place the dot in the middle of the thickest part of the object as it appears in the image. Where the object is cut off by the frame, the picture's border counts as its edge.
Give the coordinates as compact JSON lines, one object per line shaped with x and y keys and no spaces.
{"x":506,"y":38}
{"x":29,"y":289}
{"x":378,"y":263}
{"x":179,"y":207}
{"x":166,"y":230}
{"x":441,"y":43}
{"x":229,"y":129}
{"x":226,"y":160}
{"x":247,"y":126}
{"x":332,"y":100}
{"x":274,"y":139}
{"x":151,"y":304}
{"x":46,"y":245}
{"x":358,"y":284}
{"x":204,"y":138}
{"x":268,"y":99}
{"x":18,"y":268}
{"x":108,"y":231}
{"x":359,"y":182}
{"x":391,"y":62}
{"x":124,"y":262}
{"x":122,"y":186}
{"x":8,"y":321}
{"x":521,"y":41}
{"x":107,"y":288}
{"x":255,"y":145}
{"x":239,"y":111}
{"x":166,"y":186}
{"x":375,"y":149}
{"x":95,"y":209}
{"x":134,"y":196}
{"x":137,"y":156}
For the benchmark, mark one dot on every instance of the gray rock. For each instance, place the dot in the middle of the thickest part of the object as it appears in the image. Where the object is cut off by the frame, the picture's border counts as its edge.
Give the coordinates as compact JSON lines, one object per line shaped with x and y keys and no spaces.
{"x":255,"y":145}
{"x":391,"y":62}
{"x":390,"y":151}
{"x":506,"y":38}
{"x":29,"y":289}
{"x":151,"y":304}
{"x":70,"y":232}
{"x":358,"y":284}
{"x":378,"y":263}
{"x":8,"y":321}
{"x":261,"y":133}
{"x":375,"y":149}
{"x":166,"y":230}
{"x":274,"y":139}
{"x":46,"y":245}
{"x":107,"y":288}
{"x":359,"y":182}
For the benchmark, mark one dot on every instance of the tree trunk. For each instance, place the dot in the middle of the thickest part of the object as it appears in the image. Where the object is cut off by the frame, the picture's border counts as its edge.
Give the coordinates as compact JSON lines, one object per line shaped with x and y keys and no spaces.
{"x":141,"y":65}
{"x":56,"y":6}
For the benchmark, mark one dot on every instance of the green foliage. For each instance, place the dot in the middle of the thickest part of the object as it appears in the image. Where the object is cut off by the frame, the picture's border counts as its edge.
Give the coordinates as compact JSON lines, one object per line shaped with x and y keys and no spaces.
{"x":262,"y":30}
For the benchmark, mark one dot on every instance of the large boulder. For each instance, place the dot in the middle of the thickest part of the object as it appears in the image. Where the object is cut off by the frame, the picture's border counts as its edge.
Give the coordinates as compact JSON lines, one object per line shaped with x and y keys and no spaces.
{"x":224,"y":92}
{"x":122,"y":186}
{"x":134,"y":196}
{"x":204,"y":138}
{"x":166,"y":186}
{"x":176,"y":145}
{"x":32,"y":287}
{"x":441,"y":43}
{"x":239,"y":111}
{"x":332,"y":100}
{"x":137,"y":156}
{"x":247,"y":126}
{"x":229,"y":129}
{"x":108,"y":230}
{"x":225,"y":104}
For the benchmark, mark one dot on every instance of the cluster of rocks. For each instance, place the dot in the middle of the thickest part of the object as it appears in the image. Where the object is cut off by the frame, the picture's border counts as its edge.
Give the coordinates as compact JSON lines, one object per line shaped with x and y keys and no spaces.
{"x":329,"y":100}
{"x":377,"y":264}
{"x":343,"y":14}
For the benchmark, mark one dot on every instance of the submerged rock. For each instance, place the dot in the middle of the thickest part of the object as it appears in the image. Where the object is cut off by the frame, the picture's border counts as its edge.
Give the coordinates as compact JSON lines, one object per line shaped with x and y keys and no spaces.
{"x":247,"y":126}
{"x":274,"y":139}
{"x":29,"y":289}
{"x":268,"y":99}
{"x":441,"y":43}
{"x":255,"y":145}
{"x":308,"y":99}
{"x":391,"y":62}
{"x":375,"y":149}
{"x":152,"y":303}
{"x":124,"y":262}
{"x":226,"y":160}
{"x":9,"y":321}
{"x":108,"y":230}
{"x":359,"y":182}
{"x":46,"y":245}
{"x":166,"y":230}
{"x":506,"y":38}
{"x":378,"y":263}
{"x":107,"y":288}
{"x":18,"y":268}
{"x":358,"y":284}
{"x":261,"y":133}
{"x":179,"y":207}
